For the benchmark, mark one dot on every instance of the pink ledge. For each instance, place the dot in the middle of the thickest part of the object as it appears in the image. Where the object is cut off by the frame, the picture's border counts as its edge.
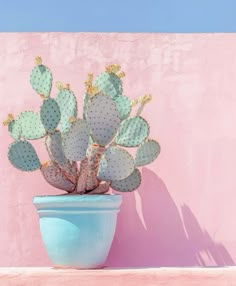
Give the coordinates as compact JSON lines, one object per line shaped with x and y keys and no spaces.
{"x":32,"y":276}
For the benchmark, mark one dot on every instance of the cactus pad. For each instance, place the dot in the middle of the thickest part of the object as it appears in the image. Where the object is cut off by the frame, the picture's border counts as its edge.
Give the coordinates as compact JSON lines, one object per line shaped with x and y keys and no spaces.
{"x":85,"y":104}
{"x":14,"y":129}
{"x":68,"y":107}
{"x":23,"y":156}
{"x":109,"y":84}
{"x":115,"y":164}
{"x":75,"y":141}
{"x":123,"y":105}
{"x":147,"y":153}
{"x":53,"y":144}
{"x":31,"y":125}
{"x":103,"y":118}
{"x":129,"y":184}
{"x":41,"y":80}
{"x":50,"y":114}
{"x":133,"y":131}
{"x":55,"y":177}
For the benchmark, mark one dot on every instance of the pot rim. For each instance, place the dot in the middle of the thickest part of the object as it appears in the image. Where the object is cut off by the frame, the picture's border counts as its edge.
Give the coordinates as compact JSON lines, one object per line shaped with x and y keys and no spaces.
{"x":97,"y":201}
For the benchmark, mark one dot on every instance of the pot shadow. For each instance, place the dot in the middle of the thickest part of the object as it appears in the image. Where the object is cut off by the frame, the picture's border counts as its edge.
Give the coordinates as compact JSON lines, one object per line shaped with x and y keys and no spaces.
{"x":151,"y":232}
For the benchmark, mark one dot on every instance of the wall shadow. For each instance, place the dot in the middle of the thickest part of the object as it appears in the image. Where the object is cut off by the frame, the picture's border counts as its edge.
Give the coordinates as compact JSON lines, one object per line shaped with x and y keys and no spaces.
{"x":151,"y":232}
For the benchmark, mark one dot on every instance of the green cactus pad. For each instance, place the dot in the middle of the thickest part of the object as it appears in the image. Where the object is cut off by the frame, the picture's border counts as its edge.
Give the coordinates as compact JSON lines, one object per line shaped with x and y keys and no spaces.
{"x":23,"y":156}
{"x":109,"y":84}
{"x":14,"y":129}
{"x":103,"y":118}
{"x":129,"y":184}
{"x":68,"y":107}
{"x":76,"y":140}
{"x":115,"y":164}
{"x":41,"y":80}
{"x":53,"y":144}
{"x":123,"y":105}
{"x":147,"y":153}
{"x":85,"y":104}
{"x":50,"y":114}
{"x":31,"y":125}
{"x":55,"y":177}
{"x":133,"y":131}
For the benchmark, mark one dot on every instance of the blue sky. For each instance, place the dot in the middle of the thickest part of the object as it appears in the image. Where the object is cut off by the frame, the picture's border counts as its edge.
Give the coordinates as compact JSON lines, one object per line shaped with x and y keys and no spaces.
{"x":118,"y":15}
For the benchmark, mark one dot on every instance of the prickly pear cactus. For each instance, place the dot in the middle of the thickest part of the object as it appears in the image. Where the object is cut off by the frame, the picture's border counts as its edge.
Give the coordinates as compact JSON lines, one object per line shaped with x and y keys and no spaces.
{"x":50,"y":114}
{"x":55,"y":177}
{"x":109,"y":82}
{"x":123,"y":105}
{"x":67,"y":103}
{"x":147,"y":153}
{"x":14,"y":129}
{"x":103,"y":118}
{"x":116,"y":164}
{"x":129,"y":184}
{"x":133,"y":131}
{"x":31,"y":125}
{"x":23,"y":156}
{"x":41,"y":78}
{"x":98,"y":141}
{"x":55,"y":150}
{"x":76,"y":141}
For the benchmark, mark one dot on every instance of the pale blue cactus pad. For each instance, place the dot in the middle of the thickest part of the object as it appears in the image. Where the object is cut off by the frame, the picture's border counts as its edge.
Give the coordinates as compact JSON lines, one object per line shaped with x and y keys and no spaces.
{"x":109,"y":84}
{"x":68,"y":107}
{"x":129,"y":184}
{"x":23,"y":156}
{"x":14,"y":129}
{"x":103,"y":118}
{"x":50,"y":114}
{"x":53,"y":144}
{"x":53,"y":175}
{"x":147,"y":153}
{"x":133,"y":131}
{"x":116,"y":164}
{"x":123,"y":105}
{"x":85,"y":104}
{"x":75,"y":141}
{"x":41,"y":80}
{"x":31,"y":125}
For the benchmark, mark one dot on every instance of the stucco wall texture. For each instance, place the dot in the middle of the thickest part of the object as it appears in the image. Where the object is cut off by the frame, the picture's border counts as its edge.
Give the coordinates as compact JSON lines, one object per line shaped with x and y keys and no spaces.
{"x":183,"y":213}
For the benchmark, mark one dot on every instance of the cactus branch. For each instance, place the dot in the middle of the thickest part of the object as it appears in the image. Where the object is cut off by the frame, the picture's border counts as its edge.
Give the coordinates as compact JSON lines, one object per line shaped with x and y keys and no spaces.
{"x":143,"y":101}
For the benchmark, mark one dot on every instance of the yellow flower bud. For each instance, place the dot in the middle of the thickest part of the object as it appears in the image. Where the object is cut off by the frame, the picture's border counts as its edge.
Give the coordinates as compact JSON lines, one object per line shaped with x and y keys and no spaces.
{"x":9,"y":119}
{"x":38,"y":60}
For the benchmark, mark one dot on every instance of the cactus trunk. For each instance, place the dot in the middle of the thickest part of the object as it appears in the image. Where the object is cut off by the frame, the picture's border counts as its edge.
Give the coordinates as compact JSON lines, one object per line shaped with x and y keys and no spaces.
{"x":94,"y":156}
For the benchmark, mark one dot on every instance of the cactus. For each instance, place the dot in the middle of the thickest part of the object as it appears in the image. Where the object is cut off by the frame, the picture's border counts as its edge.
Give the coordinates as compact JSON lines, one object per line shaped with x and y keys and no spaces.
{"x":103,"y":118}
{"x":68,"y":107}
{"x":133,"y":131}
{"x":23,"y":156}
{"x":55,"y":177}
{"x":123,"y":105}
{"x":116,"y":164}
{"x":76,"y":141}
{"x":14,"y":127}
{"x":41,"y":79}
{"x":97,"y":140}
{"x":50,"y":114}
{"x":53,"y":143}
{"x":147,"y":153}
{"x":129,"y":184}
{"x":31,"y":125}
{"x":109,"y":82}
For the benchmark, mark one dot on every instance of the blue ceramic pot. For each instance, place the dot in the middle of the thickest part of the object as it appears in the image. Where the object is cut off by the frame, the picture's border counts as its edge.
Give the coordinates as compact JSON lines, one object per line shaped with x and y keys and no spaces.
{"x":77,"y":231}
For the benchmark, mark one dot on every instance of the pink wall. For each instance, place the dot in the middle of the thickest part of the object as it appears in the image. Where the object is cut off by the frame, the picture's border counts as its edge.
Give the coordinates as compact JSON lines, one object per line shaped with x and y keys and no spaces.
{"x":183,"y":214}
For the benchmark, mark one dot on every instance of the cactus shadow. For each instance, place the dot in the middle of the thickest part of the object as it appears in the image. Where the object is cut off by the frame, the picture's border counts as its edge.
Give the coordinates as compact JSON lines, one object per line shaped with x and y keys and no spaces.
{"x":153,"y":232}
